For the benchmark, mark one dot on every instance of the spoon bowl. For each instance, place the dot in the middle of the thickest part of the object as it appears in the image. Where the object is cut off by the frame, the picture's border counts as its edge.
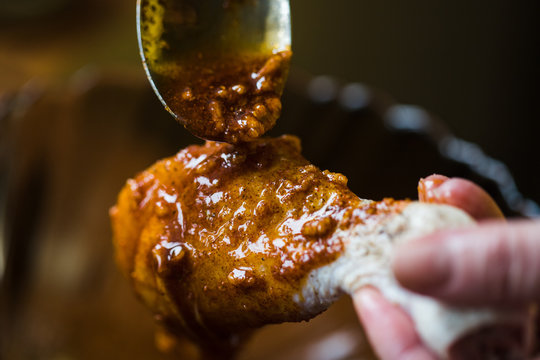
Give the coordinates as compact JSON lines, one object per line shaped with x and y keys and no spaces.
{"x":218,"y":66}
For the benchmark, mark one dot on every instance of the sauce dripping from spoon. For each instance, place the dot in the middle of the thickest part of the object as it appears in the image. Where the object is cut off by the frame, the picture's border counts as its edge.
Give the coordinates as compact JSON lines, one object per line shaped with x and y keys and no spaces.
{"x":219,"y":67}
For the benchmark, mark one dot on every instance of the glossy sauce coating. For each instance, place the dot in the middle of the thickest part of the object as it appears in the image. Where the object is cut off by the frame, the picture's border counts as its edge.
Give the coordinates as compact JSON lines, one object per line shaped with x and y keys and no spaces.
{"x":227,"y":98}
{"x":219,"y":239}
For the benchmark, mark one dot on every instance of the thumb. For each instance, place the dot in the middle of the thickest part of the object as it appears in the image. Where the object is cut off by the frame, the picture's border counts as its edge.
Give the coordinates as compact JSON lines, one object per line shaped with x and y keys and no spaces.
{"x":461,"y":193}
{"x":492,"y":264}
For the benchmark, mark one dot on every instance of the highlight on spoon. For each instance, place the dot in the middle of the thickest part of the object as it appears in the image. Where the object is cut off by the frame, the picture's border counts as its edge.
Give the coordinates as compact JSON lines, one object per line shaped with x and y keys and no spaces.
{"x":218,"y":66}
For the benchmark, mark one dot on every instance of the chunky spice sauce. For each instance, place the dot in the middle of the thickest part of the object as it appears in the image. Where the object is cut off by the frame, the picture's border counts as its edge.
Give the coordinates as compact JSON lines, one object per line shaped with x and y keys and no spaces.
{"x":219,"y":238}
{"x":227,"y":98}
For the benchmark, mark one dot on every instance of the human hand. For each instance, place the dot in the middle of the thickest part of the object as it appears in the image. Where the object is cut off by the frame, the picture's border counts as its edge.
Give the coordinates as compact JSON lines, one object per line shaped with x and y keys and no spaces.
{"x":496,"y":263}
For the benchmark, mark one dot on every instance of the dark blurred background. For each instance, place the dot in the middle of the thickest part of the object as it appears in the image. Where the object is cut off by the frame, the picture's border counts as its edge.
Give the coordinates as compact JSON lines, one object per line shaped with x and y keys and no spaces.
{"x":77,"y":117}
{"x":473,"y":64}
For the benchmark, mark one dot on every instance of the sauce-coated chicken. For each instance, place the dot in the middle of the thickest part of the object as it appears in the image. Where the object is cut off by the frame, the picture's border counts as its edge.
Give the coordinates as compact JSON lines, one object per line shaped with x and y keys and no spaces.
{"x":222,"y":239}
{"x":238,"y":228}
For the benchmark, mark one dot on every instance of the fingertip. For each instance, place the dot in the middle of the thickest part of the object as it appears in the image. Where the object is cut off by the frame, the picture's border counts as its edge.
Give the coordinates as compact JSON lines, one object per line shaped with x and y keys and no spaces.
{"x":389,"y":329}
{"x":369,"y":304}
{"x":368,"y":299}
{"x":460,"y":193}
{"x":469,"y":197}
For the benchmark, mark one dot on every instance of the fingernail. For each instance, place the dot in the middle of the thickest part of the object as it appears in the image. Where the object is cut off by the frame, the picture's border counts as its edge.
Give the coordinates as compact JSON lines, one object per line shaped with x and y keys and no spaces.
{"x":366,"y":298}
{"x":421,"y":266}
{"x":427,"y":188}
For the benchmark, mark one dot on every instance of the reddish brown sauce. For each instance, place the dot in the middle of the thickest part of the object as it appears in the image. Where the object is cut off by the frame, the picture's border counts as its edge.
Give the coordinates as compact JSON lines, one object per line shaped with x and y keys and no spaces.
{"x":227,"y":98}
{"x":219,"y":238}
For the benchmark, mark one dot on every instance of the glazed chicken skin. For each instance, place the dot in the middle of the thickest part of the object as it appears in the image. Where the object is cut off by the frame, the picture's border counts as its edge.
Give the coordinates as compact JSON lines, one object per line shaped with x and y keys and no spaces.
{"x":219,"y":227}
{"x":221,"y":239}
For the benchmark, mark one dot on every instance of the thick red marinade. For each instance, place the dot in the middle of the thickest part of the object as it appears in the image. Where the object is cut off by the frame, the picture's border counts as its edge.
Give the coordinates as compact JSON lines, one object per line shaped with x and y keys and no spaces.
{"x":227,"y":98}
{"x":219,"y":238}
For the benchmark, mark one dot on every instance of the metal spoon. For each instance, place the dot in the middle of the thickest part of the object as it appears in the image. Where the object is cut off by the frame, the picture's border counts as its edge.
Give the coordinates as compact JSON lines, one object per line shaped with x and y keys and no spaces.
{"x":218,"y":66}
